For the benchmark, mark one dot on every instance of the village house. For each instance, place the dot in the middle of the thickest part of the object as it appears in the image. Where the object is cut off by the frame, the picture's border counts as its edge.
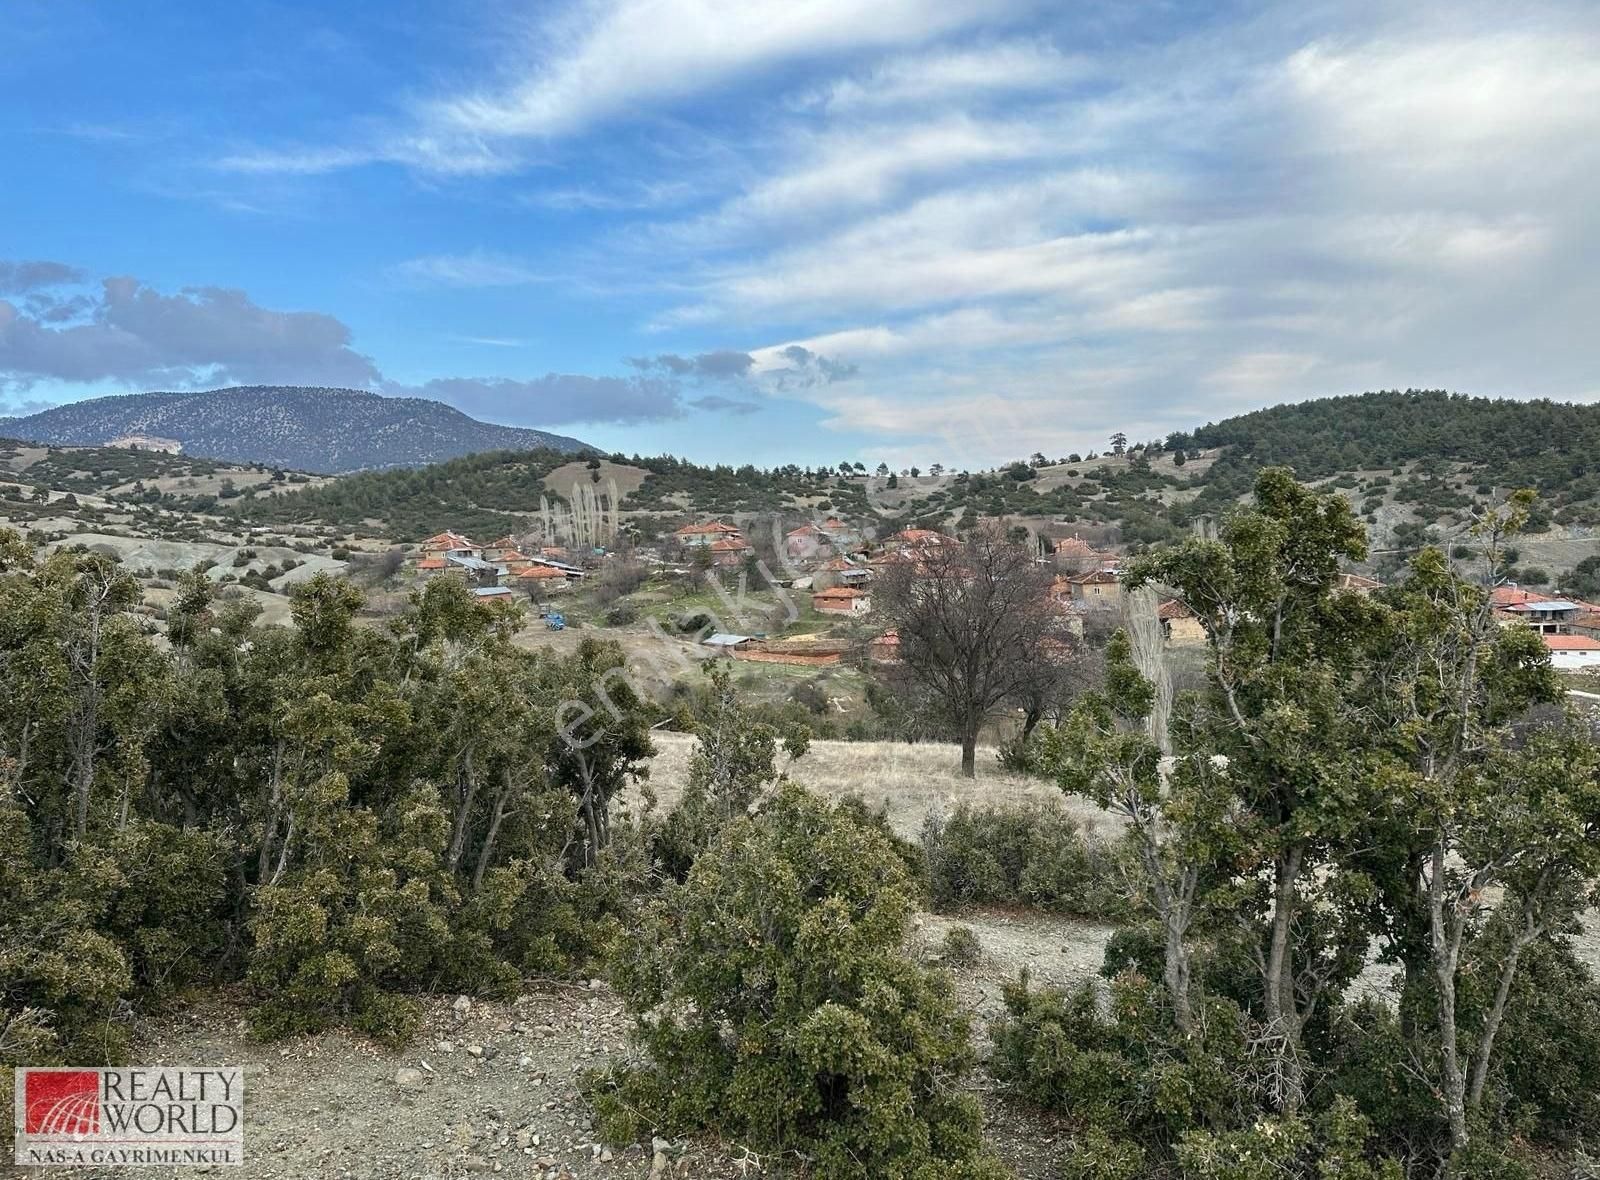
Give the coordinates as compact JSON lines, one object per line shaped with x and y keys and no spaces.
{"x":806,"y":542}
{"x":1070,"y":553}
{"x":502,"y":550}
{"x":885,"y":649}
{"x":1098,"y":590}
{"x":729,"y":551}
{"x":842,"y":600}
{"x":841,"y":571}
{"x":1549,"y":616}
{"x":493,"y":593}
{"x":1573,"y":652}
{"x":693,"y":535}
{"x":1179,"y":625}
{"x":445,"y":543}
{"x":725,"y":644}
{"x":921,"y":539}
{"x":478,"y":571}
{"x":541,"y":579}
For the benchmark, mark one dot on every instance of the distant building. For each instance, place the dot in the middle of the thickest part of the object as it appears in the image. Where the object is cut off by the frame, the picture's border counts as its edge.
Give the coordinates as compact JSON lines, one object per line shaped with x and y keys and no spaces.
{"x":806,"y":542}
{"x":1573,"y":652}
{"x":494,"y":593}
{"x":541,"y":579}
{"x":841,"y":571}
{"x":484,"y":573}
{"x":502,"y":550}
{"x":1096,"y":590}
{"x":707,"y":533}
{"x":921,"y":539}
{"x":1550,"y":616}
{"x":441,"y":544}
{"x":726,"y":550}
{"x":842,"y":600}
{"x":1179,"y":625}
{"x":885,"y":649}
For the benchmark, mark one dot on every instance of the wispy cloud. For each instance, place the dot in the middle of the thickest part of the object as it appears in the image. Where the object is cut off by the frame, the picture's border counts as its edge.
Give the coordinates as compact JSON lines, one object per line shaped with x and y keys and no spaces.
{"x":474,"y":269}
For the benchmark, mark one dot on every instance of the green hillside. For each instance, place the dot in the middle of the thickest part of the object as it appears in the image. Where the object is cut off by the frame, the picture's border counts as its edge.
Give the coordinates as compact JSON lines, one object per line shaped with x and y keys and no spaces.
{"x":1409,"y":460}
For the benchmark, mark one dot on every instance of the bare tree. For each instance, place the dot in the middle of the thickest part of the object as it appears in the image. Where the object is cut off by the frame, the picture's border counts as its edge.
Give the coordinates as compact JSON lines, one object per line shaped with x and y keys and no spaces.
{"x":975,"y":622}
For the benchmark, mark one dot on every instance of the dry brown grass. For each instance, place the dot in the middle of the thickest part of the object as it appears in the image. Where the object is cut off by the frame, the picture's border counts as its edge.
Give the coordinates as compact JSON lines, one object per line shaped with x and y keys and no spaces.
{"x":908,"y":780}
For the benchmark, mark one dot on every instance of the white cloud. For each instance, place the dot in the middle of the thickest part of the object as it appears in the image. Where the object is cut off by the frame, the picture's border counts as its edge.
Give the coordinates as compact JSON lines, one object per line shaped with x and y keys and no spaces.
{"x":937,"y":76}
{"x":474,"y":269}
{"x":604,"y":60}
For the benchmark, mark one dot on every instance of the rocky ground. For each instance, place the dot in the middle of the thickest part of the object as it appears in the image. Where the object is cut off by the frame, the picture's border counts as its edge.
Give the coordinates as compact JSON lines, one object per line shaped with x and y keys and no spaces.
{"x":493,"y":1089}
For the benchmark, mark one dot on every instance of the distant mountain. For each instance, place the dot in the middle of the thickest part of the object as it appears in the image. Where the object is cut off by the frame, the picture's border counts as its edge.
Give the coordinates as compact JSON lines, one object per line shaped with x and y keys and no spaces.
{"x":291,"y":426}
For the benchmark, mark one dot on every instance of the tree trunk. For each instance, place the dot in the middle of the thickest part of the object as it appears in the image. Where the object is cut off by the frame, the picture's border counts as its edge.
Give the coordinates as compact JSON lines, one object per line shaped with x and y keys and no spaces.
{"x":467,"y":789}
{"x":88,"y":729}
{"x":1446,"y":947}
{"x":969,"y":754}
{"x":495,"y":821}
{"x":1491,"y":1024}
{"x":1279,"y":1000}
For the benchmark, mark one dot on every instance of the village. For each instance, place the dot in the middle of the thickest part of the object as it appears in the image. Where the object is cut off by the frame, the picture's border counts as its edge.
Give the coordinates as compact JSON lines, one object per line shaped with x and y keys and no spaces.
{"x":814,"y":582}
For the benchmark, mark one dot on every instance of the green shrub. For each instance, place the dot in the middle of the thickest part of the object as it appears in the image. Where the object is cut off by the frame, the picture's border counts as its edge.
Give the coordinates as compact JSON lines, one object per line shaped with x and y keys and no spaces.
{"x":1033,"y":855}
{"x":961,"y":947}
{"x":622,"y":614}
{"x":776,"y":1008}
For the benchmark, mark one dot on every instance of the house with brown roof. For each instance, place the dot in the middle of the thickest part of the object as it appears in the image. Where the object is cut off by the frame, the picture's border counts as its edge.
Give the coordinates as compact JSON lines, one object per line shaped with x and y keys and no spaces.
{"x":1097,"y":590}
{"x":502,"y":550}
{"x":841,"y":571}
{"x":806,"y":542}
{"x":541,"y":579}
{"x":885,"y":649}
{"x":706,"y":533}
{"x":1179,"y":625}
{"x":921,"y":538}
{"x":730,"y":550}
{"x":842,"y":600}
{"x":440,"y":544}
{"x":1573,"y":653}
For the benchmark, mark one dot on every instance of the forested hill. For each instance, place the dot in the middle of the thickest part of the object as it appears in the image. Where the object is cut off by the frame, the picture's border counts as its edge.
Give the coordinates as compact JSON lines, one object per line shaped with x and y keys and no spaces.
{"x":1406,"y":458}
{"x":289,"y":426}
{"x":1514,"y":442}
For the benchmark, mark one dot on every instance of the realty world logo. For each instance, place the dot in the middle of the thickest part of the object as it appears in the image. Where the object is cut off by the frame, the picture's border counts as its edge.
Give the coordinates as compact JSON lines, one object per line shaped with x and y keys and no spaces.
{"x":170,"y":1115}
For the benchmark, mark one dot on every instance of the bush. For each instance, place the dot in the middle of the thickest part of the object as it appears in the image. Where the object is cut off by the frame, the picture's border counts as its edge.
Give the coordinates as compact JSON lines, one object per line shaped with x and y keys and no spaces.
{"x":961,"y":947}
{"x":776,"y":1008}
{"x":1034,"y":856}
{"x":622,"y":614}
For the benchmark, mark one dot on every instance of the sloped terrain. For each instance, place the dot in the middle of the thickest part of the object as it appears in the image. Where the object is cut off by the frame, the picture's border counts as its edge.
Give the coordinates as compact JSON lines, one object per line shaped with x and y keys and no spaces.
{"x":291,"y":426}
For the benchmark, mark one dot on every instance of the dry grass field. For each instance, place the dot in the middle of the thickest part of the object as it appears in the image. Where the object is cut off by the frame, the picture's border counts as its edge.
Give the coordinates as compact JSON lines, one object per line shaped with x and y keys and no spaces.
{"x":908,"y":780}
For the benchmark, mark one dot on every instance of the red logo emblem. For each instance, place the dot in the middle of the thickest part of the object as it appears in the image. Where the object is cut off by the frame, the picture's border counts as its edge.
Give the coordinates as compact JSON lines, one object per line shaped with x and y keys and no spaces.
{"x":62,"y":1102}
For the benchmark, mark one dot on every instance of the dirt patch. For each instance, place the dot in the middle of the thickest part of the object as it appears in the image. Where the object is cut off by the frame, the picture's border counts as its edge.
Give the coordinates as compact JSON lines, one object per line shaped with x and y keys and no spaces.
{"x":627,"y":477}
{"x":492,"y":1092}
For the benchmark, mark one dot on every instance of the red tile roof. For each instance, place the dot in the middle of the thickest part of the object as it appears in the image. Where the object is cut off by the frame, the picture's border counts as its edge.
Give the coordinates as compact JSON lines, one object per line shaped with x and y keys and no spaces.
{"x":1173,"y":609}
{"x":696,"y":530}
{"x":541,"y":571}
{"x":1571,"y":643}
{"x":431,"y":563}
{"x":728,"y":545}
{"x":840,"y":592}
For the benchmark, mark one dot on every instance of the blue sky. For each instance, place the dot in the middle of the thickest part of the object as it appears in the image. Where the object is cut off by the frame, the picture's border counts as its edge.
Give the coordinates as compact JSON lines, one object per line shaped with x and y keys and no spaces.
{"x":796,"y":231}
